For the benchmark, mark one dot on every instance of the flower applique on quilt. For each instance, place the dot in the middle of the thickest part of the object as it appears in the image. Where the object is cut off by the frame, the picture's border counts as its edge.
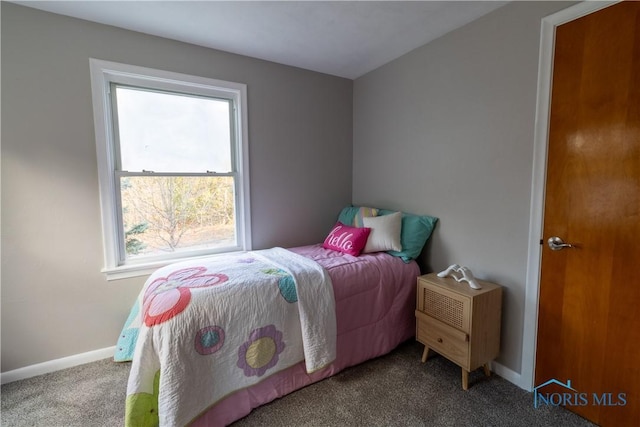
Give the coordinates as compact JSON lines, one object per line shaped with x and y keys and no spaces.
{"x":209,"y":340}
{"x":261,"y":351}
{"x":168,"y":296}
{"x":286,"y":284}
{"x":128,"y":337}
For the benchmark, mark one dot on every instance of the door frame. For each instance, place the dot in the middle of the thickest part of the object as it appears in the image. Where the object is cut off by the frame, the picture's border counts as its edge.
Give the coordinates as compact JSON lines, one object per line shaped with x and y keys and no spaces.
{"x":539,"y":172}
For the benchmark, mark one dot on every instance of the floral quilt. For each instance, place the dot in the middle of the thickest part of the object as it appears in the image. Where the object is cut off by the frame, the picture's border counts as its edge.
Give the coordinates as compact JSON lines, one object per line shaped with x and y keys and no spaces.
{"x":202,"y":329}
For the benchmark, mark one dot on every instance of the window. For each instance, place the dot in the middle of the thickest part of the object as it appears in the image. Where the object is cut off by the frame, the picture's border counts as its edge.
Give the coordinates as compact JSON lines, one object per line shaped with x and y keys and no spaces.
{"x":172,"y":164}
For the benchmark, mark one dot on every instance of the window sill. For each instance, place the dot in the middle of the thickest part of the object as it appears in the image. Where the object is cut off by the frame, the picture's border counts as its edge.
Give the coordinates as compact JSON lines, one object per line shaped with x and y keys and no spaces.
{"x":145,"y":269}
{"x":135,"y":270}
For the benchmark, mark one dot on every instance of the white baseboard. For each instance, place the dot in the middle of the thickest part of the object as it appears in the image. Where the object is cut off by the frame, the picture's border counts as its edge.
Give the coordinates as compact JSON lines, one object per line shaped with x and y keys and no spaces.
{"x":105,"y":353}
{"x":57,"y":365}
{"x":509,"y":375}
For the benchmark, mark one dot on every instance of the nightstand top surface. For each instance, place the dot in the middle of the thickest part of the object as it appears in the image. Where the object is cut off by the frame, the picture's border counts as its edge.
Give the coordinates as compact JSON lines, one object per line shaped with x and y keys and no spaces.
{"x":459,"y":287}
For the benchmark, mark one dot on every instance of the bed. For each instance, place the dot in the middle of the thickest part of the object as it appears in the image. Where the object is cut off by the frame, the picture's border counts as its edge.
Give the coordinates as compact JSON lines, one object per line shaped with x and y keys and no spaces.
{"x":212,"y":339}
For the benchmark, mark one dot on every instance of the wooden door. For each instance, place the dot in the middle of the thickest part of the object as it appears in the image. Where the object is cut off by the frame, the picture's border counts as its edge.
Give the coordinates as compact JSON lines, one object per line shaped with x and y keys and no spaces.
{"x":589,"y":304}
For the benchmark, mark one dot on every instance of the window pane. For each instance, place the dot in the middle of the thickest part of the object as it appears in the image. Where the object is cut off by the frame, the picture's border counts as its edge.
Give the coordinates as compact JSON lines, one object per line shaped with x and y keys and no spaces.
{"x":168,"y":214}
{"x":168,"y":132}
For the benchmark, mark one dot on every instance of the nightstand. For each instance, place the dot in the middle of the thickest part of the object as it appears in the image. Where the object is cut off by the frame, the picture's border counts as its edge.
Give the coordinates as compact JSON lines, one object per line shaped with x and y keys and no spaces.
{"x":458,"y":322}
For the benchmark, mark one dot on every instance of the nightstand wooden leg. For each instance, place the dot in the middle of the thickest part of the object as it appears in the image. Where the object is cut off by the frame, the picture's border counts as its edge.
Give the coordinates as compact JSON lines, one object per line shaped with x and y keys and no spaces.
{"x":487,"y":371}
{"x":425,"y":353}
{"x":465,"y":380}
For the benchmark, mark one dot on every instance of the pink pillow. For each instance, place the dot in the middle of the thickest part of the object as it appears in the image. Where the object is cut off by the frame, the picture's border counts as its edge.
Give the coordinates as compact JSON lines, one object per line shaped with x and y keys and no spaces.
{"x":350,"y":240}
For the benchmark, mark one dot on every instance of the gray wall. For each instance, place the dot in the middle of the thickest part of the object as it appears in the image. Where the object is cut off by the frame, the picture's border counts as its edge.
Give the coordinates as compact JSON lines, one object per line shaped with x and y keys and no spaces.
{"x":447,"y":130}
{"x":55,"y":301}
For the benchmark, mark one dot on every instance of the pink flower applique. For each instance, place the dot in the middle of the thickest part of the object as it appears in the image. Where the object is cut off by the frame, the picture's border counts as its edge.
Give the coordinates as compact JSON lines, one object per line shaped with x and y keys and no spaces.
{"x":168,"y":296}
{"x":209,"y":340}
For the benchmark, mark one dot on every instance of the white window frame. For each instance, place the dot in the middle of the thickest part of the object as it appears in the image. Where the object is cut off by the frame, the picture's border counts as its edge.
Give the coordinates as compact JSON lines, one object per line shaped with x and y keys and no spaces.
{"x":103,"y":73}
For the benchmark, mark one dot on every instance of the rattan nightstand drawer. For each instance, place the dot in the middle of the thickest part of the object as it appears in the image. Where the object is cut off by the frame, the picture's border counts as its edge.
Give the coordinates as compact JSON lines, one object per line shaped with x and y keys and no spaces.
{"x":444,"y":339}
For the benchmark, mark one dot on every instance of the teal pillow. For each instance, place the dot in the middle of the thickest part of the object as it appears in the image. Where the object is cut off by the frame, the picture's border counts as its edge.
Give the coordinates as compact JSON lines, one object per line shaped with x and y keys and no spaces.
{"x":416,"y":230}
{"x":352,"y":215}
{"x":348,"y":214}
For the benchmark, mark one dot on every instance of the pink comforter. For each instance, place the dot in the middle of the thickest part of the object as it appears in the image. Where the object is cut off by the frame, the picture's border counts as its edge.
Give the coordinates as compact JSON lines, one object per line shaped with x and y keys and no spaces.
{"x":375,"y":302}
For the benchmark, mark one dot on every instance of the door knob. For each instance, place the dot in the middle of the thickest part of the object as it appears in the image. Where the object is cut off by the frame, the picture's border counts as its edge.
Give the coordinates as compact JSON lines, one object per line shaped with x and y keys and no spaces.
{"x":556,"y":244}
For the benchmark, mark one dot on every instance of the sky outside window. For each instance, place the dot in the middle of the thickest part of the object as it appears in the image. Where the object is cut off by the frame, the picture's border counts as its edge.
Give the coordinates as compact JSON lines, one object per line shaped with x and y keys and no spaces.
{"x":166,"y":132}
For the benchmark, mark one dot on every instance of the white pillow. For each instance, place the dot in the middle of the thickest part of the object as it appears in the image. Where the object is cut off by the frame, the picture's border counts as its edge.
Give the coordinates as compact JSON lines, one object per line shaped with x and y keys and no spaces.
{"x":385,"y":232}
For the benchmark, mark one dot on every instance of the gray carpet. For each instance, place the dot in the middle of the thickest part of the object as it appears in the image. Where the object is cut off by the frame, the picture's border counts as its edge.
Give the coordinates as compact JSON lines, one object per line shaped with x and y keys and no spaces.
{"x":393,"y":390}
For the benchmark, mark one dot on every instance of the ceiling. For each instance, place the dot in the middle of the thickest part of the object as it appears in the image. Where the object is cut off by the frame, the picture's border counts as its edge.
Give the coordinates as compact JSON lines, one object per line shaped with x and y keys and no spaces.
{"x":342,"y":38}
